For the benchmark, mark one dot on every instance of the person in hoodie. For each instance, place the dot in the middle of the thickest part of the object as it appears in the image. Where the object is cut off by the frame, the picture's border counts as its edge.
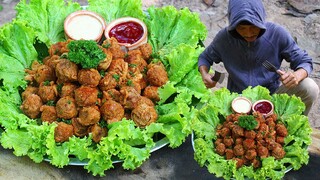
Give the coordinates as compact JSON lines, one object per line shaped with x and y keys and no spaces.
{"x":246,"y":43}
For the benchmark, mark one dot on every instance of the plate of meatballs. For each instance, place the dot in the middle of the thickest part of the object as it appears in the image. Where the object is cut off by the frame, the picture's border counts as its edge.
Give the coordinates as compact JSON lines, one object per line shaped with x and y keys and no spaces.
{"x":252,"y":145}
{"x":85,"y":101}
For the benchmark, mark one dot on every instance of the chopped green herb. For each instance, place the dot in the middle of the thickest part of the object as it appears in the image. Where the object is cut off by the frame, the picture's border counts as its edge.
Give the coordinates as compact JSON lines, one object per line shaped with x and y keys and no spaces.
{"x":247,"y":121}
{"x":129,"y":82}
{"x":46,"y":83}
{"x":51,"y":103}
{"x":116,"y":76}
{"x":132,"y":65}
{"x":106,"y":45}
{"x":132,"y":74}
{"x":59,"y":87}
{"x":86,"y":53}
{"x":102,"y":73}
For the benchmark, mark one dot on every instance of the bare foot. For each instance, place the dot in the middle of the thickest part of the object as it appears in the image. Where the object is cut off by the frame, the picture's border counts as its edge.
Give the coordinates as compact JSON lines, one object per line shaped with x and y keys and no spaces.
{"x":209,"y":2}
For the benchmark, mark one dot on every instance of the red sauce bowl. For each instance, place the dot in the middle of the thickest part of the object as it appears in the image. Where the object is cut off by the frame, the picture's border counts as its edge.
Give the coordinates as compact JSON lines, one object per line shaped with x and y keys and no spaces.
{"x":130,"y":32}
{"x":263,"y":106}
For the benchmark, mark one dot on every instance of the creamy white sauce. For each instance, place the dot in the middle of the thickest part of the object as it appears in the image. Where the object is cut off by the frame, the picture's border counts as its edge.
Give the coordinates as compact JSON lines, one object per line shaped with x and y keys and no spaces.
{"x":242,"y":106}
{"x":84,"y":27}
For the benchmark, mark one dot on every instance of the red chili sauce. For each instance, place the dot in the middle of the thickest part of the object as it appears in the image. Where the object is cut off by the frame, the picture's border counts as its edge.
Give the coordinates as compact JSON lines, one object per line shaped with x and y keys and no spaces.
{"x":263,"y":107}
{"x":127,"y":32}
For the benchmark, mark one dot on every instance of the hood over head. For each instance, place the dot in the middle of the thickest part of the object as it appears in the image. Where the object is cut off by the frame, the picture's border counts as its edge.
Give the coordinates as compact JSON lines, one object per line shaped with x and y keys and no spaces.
{"x":251,"y":11}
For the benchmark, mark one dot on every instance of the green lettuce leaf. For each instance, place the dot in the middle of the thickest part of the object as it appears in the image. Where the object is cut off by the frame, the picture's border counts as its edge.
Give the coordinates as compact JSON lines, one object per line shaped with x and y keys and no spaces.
{"x":167,"y":28}
{"x":112,"y":9}
{"x":16,"y":40}
{"x":46,"y":17}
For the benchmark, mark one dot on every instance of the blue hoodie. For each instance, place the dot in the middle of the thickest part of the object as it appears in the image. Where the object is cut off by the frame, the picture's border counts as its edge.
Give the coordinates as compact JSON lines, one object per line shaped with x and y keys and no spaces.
{"x":243,"y":60}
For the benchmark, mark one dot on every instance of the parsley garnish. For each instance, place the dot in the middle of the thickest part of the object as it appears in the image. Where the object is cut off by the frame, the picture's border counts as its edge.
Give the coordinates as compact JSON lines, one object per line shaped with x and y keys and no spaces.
{"x":86,"y":53}
{"x":247,"y":121}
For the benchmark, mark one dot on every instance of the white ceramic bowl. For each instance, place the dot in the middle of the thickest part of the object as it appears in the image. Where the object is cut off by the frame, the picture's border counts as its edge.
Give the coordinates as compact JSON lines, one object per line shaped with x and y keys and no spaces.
{"x":123,"y":31}
{"x":85,"y":25}
{"x":241,"y":105}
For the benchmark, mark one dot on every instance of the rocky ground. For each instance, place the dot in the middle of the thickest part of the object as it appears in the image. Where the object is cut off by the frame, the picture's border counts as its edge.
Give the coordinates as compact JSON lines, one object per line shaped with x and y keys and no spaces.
{"x":301,"y":18}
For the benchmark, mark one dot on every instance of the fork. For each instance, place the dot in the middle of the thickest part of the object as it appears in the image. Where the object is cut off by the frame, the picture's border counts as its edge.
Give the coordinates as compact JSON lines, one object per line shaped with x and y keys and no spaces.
{"x":270,"y":67}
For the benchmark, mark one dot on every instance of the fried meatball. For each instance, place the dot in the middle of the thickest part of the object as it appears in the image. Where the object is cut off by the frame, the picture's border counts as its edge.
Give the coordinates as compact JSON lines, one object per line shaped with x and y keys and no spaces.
{"x":63,"y":132}
{"x":48,"y":114}
{"x":104,"y":65}
{"x":113,"y":45}
{"x":129,"y":97}
{"x":144,"y":100}
{"x":97,"y":132}
{"x":225,"y":132}
{"x":86,"y":96}
{"x":263,"y":152}
{"x":146,"y":50}
{"x":281,"y":130}
{"x":249,"y":144}
{"x":157,"y":74}
{"x":67,"y":89}
{"x":51,"y":61}
{"x":31,"y":106}
{"x":44,"y":73}
{"x":250,"y":154}
{"x":29,"y":90}
{"x":228,"y":141}
{"x":256,"y":163}
{"x":119,"y":67}
{"x":250,"y":134}
{"x":229,"y":154}
{"x":220,"y":149}
{"x":111,"y":94}
{"x":109,"y":81}
{"x":239,"y":162}
{"x":238,"y":150}
{"x":112,"y":111}
{"x":58,"y":48}
{"x":78,"y":129}
{"x":151,"y":92}
{"x":238,"y":141}
{"x":278,"y":152}
{"x":237,"y":131}
{"x":280,"y":140}
{"x":48,"y":91}
{"x":143,"y":115}
{"x":66,"y":71}
{"x":89,"y":77}
{"x":135,"y":60}
{"x":66,"y":108}
{"x":89,"y":115}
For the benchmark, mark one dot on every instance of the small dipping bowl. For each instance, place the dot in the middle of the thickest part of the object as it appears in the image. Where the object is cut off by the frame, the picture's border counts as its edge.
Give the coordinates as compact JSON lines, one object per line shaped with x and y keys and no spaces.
{"x":241,"y":105}
{"x":84,"y":25}
{"x":129,"y":32}
{"x":263,"y":106}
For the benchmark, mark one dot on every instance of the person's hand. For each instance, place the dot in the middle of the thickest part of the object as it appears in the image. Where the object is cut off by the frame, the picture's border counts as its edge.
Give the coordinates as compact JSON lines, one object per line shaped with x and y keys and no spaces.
{"x":291,"y":79}
{"x":206,"y":78}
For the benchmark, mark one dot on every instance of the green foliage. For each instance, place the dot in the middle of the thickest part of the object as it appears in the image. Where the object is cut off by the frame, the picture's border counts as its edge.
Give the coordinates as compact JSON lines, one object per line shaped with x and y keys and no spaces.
{"x":248,"y":122}
{"x":86,"y":53}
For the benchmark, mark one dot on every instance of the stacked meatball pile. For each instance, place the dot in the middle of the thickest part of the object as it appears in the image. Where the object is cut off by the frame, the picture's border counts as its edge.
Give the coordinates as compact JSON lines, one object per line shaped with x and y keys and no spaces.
{"x":124,"y":84}
{"x":248,"y":147}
